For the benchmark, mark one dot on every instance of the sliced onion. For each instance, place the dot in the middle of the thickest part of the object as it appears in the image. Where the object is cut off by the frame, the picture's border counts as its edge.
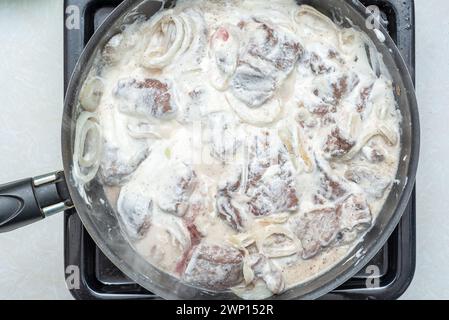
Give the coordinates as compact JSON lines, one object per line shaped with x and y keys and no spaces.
{"x":262,"y":278}
{"x":242,"y":240}
{"x":248,"y":273}
{"x":285,"y":251}
{"x":91,"y":93}
{"x":194,"y":46}
{"x":88,"y":159}
{"x":319,"y":23}
{"x":274,"y":219}
{"x":86,"y":167}
{"x":168,"y":29}
{"x":389,"y":135}
{"x":188,"y":32}
{"x":303,"y":153}
{"x":287,"y":139}
{"x":177,"y":35}
{"x":142,"y":130}
{"x":383,"y":131}
{"x":355,"y":124}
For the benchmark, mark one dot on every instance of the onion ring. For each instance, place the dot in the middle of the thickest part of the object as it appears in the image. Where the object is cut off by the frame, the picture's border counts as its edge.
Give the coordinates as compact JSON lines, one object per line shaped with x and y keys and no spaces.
{"x":87,"y":122}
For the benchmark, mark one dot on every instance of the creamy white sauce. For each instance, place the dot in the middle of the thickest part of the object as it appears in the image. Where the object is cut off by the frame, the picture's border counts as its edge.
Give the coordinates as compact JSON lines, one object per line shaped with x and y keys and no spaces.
{"x":167,"y":169}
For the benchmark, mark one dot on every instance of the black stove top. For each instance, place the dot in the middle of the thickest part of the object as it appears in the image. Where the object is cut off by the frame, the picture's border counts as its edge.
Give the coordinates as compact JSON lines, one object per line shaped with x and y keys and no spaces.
{"x":100,"y":279}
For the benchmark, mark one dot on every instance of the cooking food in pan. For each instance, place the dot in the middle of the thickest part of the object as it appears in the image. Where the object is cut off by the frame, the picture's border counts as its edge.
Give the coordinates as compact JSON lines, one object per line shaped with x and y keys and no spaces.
{"x":245,"y":145}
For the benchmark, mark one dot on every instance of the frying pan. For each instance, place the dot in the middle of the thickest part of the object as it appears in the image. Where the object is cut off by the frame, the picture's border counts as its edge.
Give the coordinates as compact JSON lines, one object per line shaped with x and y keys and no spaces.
{"x":33,"y":199}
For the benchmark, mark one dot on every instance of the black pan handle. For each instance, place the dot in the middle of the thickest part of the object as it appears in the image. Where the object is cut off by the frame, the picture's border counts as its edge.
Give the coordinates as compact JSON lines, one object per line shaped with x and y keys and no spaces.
{"x":26,"y":201}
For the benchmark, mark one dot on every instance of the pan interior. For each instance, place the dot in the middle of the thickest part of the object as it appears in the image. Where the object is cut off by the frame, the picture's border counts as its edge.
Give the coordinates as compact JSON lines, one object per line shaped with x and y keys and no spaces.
{"x":100,"y":219}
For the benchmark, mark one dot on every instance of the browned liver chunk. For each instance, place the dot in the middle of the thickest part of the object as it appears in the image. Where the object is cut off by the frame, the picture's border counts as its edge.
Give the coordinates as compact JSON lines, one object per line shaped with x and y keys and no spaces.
{"x":321,"y":228}
{"x":135,"y":211}
{"x":227,"y":211}
{"x":176,"y":190}
{"x":274,"y":46}
{"x":252,"y":86}
{"x":274,"y":193}
{"x":334,"y":88}
{"x":316,"y":229}
{"x":354,"y":212}
{"x":318,"y":65}
{"x":150,"y":98}
{"x":372,"y":182}
{"x":271,"y":184}
{"x":264,"y":151}
{"x":214,"y":267}
{"x":364,"y":98}
{"x":337,"y":145}
{"x":225,"y":208}
{"x":330,"y":189}
{"x":323,"y":109}
{"x":116,"y":166}
{"x":268,"y":59}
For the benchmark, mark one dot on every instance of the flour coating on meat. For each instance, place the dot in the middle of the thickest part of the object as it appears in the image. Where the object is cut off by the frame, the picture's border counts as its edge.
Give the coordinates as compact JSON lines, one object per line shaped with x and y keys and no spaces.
{"x":246,"y":145}
{"x":175,"y":189}
{"x":214,"y":267}
{"x":147,"y":98}
{"x":135,"y":207}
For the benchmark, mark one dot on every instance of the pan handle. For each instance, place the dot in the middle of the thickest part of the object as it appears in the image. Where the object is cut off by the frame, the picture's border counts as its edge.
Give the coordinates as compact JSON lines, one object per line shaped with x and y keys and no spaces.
{"x":30,"y":200}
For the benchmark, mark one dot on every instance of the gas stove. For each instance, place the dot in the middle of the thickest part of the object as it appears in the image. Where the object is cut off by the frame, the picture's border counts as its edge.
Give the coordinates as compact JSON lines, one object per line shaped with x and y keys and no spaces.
{"x":395,"y":262}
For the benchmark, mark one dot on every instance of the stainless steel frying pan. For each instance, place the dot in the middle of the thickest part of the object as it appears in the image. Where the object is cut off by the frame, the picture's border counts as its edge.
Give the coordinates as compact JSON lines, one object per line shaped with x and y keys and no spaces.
{"x":31,"y":200}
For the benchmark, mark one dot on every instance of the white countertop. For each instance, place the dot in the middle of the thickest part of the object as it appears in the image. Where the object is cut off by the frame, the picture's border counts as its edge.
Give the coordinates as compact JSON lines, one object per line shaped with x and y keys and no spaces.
{"x":31,"y":98}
